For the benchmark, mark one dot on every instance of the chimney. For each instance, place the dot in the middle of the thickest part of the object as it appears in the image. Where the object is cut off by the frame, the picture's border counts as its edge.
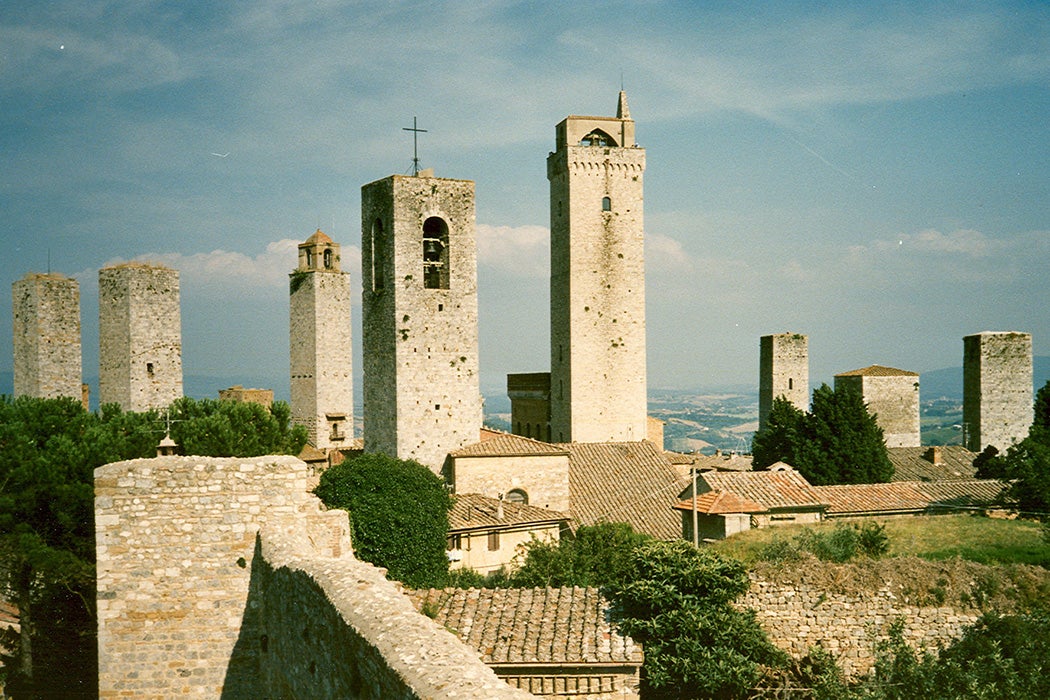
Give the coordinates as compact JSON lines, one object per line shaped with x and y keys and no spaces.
{"x":934,"y":455}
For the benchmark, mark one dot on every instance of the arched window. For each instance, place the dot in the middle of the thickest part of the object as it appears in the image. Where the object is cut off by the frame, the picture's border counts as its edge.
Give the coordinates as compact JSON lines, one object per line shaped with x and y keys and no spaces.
{"x":517,"y":496}
{"x":309,"y":258}
{"x":435,"y":254}
{"x":327,"y":258}
{"x":377,"y":246}
{"x":606,"y":204}
{"x":597,"y":138}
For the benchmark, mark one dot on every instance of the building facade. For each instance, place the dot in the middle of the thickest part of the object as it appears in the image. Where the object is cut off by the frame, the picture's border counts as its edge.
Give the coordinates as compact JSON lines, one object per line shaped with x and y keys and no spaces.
{"x":892,"y":396}
{"x":997,"y":389}
{"x":598,"y":371}
{"x":140,"y":336}
{"x":321,"y":352}
{"x":46,"y":329}
{"x":422,"y":397}
{"x":783,"y":371}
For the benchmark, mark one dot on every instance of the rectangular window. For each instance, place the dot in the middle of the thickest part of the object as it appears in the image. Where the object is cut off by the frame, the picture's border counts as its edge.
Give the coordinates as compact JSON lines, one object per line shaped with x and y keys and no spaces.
{"x":455,"y":542}
{"x":493,"y":541}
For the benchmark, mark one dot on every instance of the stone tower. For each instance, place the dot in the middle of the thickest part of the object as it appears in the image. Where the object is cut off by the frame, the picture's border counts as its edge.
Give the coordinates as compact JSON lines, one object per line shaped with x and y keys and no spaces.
{"x":783,"y":371}
{"x":420,"y":317}
{"x":46,"y":325}
{"x":140,"y":336}
{"x":598,"y":387}
{"x":892,"y":396}
{"x":997,"y":389}
{"x":322,"y":382}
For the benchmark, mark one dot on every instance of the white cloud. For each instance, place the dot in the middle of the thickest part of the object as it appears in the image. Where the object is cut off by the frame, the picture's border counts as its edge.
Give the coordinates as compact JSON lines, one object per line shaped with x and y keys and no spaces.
{"x":518,"y":251}
{"x":667,"y":255}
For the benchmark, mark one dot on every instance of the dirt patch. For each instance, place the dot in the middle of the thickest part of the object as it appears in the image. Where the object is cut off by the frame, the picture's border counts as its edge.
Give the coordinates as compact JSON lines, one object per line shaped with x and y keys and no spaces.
{"x":955,"y":582}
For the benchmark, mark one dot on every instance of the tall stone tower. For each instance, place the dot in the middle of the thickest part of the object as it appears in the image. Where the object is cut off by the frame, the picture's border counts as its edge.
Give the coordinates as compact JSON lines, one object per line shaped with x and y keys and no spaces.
{"x":321,"y":354}
{"x":997,"y":389}
{"x":140,"y":336}
{"x":46,"y":325}
{"x":598,"y":387}
{"x":420,"y":317}
{"x":892,"y":396}
{"x":783,"y":371}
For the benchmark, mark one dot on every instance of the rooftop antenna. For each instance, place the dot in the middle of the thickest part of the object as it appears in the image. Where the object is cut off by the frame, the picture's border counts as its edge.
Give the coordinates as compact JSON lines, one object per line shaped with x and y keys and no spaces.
{"x":415,"y":144}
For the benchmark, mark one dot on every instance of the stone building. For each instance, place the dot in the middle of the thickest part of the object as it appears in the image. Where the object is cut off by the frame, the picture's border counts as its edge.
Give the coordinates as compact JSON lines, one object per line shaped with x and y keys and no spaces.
{"x":486,"y":534}
{"x":783,"y":371}
{"x":892,"y":396}
{"x":530,"y":404}
{"x":419,"y":301}
{"x":598,"y":372}
{"x":140,"y":336}
{"x":997,"y":389}
{"x":322,"y":383}
{"x":46,"y":325}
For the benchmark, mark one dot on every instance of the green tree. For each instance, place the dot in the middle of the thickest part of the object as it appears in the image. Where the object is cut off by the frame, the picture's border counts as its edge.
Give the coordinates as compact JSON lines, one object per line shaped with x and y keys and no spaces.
{"x":49,"y":449}
{"x":676,"y":600}
{"x":596,"y":555}
{"x":776,"y":442}
{"x":1026,"y":466}
{"x":234,"y":428}
{"x":398,"y":515}
{"x":840,"y":442}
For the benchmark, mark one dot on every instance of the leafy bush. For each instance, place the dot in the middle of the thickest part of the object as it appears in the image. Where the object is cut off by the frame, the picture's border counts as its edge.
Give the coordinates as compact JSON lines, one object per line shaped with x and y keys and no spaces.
{"x":398,"y":515}
{"x":839,"y":545}
{"x":676,"y":600}
{"x":595,"y":556}
{"x":234,"y":428}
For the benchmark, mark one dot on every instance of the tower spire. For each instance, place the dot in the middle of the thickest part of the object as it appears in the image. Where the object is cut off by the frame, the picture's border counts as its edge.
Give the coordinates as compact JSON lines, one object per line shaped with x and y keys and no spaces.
{"x":622,"y":111}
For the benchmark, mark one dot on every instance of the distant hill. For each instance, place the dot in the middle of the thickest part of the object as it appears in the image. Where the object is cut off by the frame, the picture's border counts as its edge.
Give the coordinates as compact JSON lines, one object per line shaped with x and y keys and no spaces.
{"x":948,"y":382}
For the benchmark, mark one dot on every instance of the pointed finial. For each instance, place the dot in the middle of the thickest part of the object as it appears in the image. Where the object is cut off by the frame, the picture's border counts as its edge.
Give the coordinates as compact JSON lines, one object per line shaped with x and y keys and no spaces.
{"x":622,"y":111}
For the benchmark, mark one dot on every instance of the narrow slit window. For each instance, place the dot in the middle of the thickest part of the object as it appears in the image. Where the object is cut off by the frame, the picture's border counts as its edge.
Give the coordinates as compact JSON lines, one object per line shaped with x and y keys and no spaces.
{"x":606,"y":204}
{"x":377,"y":247}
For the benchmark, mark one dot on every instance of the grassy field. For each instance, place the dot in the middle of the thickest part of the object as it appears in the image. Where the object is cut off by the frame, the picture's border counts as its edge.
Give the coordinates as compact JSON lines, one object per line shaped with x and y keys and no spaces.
{"x":935,"y":538}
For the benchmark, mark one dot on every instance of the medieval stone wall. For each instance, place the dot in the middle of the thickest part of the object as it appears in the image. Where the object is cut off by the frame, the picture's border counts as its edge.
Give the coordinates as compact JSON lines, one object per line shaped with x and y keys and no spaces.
{"x":798,"y":617}
{"x":545,"y":478}
{"x":422,"y":397}
{"x":783,"y":371}
{"x":224,"y":578}
{"x":140,"y":336}
{"x":894,"y":401}
{"x":997,"y":389}
{"x":46,"y":329}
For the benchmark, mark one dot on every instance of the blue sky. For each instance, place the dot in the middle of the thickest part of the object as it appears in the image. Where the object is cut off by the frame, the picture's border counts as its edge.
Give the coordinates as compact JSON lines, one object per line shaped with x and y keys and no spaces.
{"x":875,"y":175}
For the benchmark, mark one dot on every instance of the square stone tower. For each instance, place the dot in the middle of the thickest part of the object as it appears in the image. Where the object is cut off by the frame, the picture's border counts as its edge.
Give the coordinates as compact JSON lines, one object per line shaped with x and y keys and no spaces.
{"x":140,"y":336}
{"x":892,"y":396}
{"x":422,"y":397}
{"x":783,"y":371}
{"x":46,"y":325}
{"x":598,"y":386}
{"x":997,"y":389}
{"x":321,"y":350}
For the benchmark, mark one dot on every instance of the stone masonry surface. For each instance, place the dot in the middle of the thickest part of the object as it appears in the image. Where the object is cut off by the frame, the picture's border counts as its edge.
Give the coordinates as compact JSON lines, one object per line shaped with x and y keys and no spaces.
{"x":46,"y":329}
{"x":222,"y":577}
{"x":800,"y":616}
{"x":783,"y":371}
{"x":997,"y":389}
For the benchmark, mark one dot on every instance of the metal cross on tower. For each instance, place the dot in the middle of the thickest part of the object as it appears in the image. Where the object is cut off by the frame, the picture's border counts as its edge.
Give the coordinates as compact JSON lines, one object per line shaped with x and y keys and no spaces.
{"x":415,"y":144}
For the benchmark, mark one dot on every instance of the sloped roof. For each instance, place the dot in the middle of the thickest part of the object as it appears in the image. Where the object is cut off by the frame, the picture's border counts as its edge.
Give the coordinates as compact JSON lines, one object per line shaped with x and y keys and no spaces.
{"x":878,"y":371}
{"x":730,"y":461}
{"x":525,"y":626}
{"x":318,"y":238}
{"x":721,"y":503}
{"x":771,"y":489}
{"x":507,"y":445}
{"x":624,"y":482}
{"x":914,"y":463}
{"x":908,"y":495}
{"x":472,"y":510}
{"x":845,"y":499}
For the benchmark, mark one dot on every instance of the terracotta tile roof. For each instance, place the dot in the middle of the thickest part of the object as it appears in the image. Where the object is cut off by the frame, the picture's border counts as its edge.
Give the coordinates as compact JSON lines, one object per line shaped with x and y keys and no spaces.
{"x":624,"y":482}
{"x":526,"y":626}
{"x":915,"y":496}
{"x":878,"y":371}
{"x":915,"y":463}
{"x":724,"y":462}
{"x":507,"y":445}
{"x":847,"y":499}
{"x":775,"y":490}
{"x":319,"y":237}
{"x":957,"y":492}
{"x":720,"y":503}
{"x":472,"y":510}
{"x":310,"y":453}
